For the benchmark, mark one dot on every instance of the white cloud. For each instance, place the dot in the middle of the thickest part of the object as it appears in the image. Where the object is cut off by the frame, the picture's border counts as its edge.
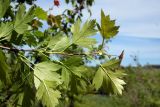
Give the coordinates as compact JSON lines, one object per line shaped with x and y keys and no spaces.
{"x":139,"y":18}
{"x":135,"y":17}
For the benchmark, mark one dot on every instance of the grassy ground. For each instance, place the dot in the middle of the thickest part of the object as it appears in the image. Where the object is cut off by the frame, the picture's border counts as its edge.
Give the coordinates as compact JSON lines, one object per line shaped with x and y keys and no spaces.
{"x":142,"y":90}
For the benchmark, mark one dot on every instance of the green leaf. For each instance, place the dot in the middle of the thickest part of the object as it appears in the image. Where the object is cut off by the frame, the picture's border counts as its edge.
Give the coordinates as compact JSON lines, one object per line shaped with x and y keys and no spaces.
{"x":113,"y":84}
{"x":46,"y":71}
{"x":5,"y":29}
{"x":81,"y":35}
{"x":40,"y":13}
{"x":98,"y":79}
{"x":77,"y":70}
{"x":108,"y":28}
{"x":108,"y":77}
{"x":109,"y":81}
{"x":29,"y":96}
{"x":112,"y":63}
{"x":65,"y":77}
{"x":4,"y":4}
{"x":23,"y":18}
{"x":58,"y":43}
{"x":19,"y":99}
{"x":74,"y":61}
{"x":4,"y":69}
{"x":86,"y":42}
{"x":47,"y":95}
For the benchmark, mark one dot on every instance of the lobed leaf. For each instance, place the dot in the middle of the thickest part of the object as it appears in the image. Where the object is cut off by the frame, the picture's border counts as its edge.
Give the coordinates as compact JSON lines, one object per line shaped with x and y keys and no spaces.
{"x":4,"y":4}
{"x":5,"y":29}
{"x":108,"y":79}
{"x":47,"y":95}
{"x":98,"y":79}
{"x":81,"y":35}
{"x":46,"y":71}
{"x":40,"y":13}
{"x":58,"y":43}
{"x":65,"y":77}
{"x":112,"y":63}
{"x":4,"y":69}
{"x":23,"y":18}
{"x":108,"y":28}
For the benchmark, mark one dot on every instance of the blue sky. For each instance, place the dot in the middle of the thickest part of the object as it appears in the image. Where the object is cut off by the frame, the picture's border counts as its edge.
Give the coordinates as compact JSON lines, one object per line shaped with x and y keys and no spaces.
{"x":139,"y":22}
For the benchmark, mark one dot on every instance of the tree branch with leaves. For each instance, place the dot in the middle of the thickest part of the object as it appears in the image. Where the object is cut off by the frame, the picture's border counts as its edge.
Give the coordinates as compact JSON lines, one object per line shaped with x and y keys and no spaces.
{"x":50,"y":68}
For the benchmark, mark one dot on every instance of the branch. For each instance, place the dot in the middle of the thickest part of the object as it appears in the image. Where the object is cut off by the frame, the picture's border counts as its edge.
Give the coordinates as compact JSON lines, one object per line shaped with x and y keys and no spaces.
{"x":60,"y":53}
{"x":15,"y":49}
{"x":68,"y":54}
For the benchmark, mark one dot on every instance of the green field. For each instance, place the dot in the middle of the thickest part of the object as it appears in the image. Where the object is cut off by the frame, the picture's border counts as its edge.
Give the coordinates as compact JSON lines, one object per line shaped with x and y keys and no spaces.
{"x":142,"y":90}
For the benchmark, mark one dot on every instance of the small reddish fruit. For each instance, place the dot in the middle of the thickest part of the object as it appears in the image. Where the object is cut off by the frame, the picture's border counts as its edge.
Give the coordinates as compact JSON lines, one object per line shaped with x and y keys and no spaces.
{"x":56,"y":3}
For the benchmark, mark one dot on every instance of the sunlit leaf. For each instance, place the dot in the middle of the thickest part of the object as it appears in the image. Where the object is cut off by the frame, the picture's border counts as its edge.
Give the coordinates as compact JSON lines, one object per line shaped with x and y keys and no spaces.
{"x":109,"y":78}
{"x":65,"y":77}
{"x":108,"y":81}
{"x":47,"y":95}
{"x":46,"y":71}
{"x":4,"y":4}
{"x":108,"y":28}
{"x":74,"y":61}
{"x":98,"y":79}
{"x":40,"y":13}
{"x":23,"y":18}
{"x":58,"y":43}
{"x":112,"y":63}
{"x":81,"y":34}
{"x":5,"y":29}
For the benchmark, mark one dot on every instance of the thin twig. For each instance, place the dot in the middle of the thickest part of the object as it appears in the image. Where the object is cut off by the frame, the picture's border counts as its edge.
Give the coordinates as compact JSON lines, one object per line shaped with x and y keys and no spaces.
{"x":60,"y":53}
{"x":15,"y":49}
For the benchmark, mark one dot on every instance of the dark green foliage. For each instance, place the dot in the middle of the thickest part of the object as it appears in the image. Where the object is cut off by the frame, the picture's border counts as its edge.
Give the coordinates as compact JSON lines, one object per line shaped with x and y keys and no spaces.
{"x":4,"y":69}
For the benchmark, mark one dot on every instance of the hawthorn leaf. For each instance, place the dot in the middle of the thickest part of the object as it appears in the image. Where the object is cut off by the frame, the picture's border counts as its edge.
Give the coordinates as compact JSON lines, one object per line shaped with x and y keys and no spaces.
{"x":65,"y":77}
{"x":109,"y":81}
{"x":62,"y":44}
{"x":40,"y":13}
{"x":47,"y":95}
{"x":117,"y":84}
{"x":23,"y":18}
{"x":19,"y":98}
{"x":98,"y":79}
{"x":58,"y":43}
{"x":108,"y":28}
{"x":112,"y":63}
{"x":86,"y":42}
{"x":4,"y":69}
{"x":5,"y":29}
{"x":74,"y":61}
{"x":77,"y":70}
{"x":29,"y":96}
{"x":81,"y":34}
{"x":4,"y":4}
{"x":46,"y":71}
{"x":108,"y":77}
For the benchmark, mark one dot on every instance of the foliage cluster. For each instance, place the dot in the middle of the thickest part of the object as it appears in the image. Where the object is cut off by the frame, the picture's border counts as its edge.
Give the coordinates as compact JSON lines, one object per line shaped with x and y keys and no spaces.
{"x":29,"y":73}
